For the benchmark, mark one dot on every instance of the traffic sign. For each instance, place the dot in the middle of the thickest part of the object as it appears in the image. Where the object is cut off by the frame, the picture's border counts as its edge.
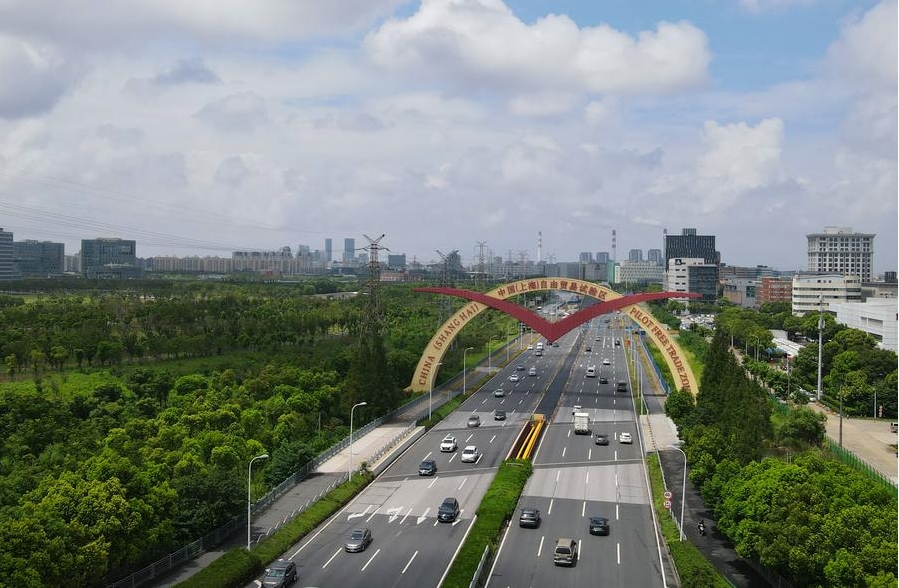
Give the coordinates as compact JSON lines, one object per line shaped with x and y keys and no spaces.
{"x":667,"y":504}
{"x":668,"y":495}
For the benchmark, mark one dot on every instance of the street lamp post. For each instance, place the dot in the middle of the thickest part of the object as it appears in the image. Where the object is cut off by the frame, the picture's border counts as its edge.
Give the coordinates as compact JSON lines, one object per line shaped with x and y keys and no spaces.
{"x":683,"y":491}
{"x":464,"y":386}
{"x":431,"y":389}
{"x":250,"y":497}
{"x":351,"y":438}
{"x":489,"y":355}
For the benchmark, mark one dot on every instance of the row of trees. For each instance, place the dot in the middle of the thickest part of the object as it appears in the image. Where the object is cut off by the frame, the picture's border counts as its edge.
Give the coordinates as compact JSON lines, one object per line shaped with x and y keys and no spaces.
{"x":105,"y":466}
{"x":775,"y":493}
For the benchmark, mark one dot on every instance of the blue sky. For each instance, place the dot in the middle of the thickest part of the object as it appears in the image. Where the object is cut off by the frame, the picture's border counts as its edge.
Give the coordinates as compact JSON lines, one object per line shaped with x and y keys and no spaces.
{"x":200,"y":129}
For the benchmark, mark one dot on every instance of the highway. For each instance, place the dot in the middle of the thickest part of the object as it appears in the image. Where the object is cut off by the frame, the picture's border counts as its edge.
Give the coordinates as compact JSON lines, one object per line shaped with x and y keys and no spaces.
{"x":410,"y":547}
{"x":574,"y":479}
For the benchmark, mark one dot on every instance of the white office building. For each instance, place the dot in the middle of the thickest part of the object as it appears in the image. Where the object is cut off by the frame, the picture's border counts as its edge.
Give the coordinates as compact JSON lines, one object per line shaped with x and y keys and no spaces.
{"x":875,"y":317}
{"x":813,"y":292}
{"x":838,"y":250}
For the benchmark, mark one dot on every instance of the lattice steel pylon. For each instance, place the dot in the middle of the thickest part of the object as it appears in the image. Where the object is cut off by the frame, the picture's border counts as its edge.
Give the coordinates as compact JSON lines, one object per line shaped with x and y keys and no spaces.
{"x":372,"y":322}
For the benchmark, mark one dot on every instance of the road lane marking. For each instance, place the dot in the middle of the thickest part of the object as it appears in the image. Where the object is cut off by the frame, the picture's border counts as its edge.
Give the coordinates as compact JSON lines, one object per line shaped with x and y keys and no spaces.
{"x":409,"y":563}
{"x":406,"y":516}
{"x":589,"y":454}
{"x":433,"y":481}
{"x":358,"y":514}
{"x":423,"y":516}
{"x":469,"y":437}
{"x":587,"y":479}
{"x":492,"y":438}
{"x":331,"y":558}
{"x":558,"y":473}
{"x":618,"y":552}
{"x":371,"y":516}
{"x":563,"y":451}
{"x":550,"y":509}
{"x":370,"y":559}
{"x":428,"y":456}
{"x":540,"y":547}
{"x":462,"y":484}
{"x":484,"y":402}
{"x":583,"y":508}
{"x":394,"y":513}
{"x":458,"y":518}
{"x":452,"y":457}
{"x":616,"y":512}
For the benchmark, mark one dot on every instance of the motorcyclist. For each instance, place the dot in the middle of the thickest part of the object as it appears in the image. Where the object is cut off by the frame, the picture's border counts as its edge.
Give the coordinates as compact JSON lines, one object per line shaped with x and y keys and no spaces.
{"x":701,"y":527}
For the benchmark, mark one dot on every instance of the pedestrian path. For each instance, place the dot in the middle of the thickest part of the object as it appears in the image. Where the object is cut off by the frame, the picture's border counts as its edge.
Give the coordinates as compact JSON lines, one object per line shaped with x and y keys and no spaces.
{"x":377,"y":448}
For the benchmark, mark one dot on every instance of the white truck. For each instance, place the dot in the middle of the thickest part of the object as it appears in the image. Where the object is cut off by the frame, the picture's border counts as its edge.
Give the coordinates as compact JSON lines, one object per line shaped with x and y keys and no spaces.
{"x":581,"y":423}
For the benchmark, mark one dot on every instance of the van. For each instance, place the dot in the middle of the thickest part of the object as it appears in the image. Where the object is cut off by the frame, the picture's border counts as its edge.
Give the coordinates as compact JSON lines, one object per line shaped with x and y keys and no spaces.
{"x":621,"y":387}
{"x":894,"y":427}
{"x":565,"y":553}
{"x":591,"y":371}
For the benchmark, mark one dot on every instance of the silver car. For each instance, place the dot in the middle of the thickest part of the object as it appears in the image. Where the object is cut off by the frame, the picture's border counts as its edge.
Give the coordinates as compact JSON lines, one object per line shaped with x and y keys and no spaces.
{"x":358,"y":541}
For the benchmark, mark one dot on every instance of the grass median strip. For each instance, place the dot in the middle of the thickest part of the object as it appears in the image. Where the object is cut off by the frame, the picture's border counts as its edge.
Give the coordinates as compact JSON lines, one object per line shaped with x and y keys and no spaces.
{"x":497,"y":507}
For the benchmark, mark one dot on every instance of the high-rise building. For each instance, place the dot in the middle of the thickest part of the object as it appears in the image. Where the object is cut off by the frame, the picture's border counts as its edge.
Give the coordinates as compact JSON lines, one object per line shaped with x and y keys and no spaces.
{"x":839,"y":250}
{"x":635,"y":255}
{"x":655,"y":256}
{"x":109,"y":258}
{"x":602,"y":257}
{"x":329,"y":250}
{"x":690,"y":245}
{"x":397,"y":262}
{"x":7,"y":260}
{"x":586,"y":257}
{"x":349,"y":250}
{"x":39,"y":258}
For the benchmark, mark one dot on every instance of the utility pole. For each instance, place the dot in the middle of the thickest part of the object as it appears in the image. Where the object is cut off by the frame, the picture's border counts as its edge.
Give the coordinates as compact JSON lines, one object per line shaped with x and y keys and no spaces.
{"x":821,"y":348}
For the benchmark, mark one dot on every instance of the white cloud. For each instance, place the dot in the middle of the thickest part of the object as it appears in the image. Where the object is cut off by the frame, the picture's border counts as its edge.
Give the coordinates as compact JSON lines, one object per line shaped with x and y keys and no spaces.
{"x":35,"y":77}
{"x":866,"y":52}
{"x":96,"y":24}
{"x":238,"y":112}
{"x":466,"y":44}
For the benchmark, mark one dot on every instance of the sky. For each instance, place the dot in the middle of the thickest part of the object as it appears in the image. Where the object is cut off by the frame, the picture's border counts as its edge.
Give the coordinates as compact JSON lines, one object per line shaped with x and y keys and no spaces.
{"x":205,"y":127}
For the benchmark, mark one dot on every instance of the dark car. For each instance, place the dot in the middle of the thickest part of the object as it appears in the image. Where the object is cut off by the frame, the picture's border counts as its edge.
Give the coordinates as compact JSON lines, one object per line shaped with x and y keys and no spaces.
{"x":448,"y":510}
{"x":359,"y":539}
{"x":280,"y":573}
{"x":427,"y":468}
{"x":520,"y":367}
{"x":499,"y":415}
{"x":603,"y":380}
{"x":529,"y":518}
{"x":599,"y":526}
{"x":602,"y":439}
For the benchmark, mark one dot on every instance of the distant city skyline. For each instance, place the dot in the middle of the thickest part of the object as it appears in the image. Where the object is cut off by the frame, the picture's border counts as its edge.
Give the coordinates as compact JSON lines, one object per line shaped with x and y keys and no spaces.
{"x":443,"y":124}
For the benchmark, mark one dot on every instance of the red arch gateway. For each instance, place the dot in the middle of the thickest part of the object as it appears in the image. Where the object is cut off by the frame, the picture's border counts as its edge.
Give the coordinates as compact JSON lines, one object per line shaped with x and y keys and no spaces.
{"x":554,"y":330}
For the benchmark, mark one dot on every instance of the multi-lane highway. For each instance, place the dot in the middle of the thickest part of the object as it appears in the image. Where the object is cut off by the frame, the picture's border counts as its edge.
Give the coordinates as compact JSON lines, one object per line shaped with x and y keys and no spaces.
{"x":410,"y":547}
{"x":573,"y":479}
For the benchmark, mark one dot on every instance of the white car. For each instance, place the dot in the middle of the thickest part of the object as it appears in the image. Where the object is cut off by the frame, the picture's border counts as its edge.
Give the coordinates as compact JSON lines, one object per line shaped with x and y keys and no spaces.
{"x":448,"y":444}
{"x":499,"y":393}
{"x":625,"y":438}
{"x":530,"y":347}
{"x":532,"y":372}
{"x":514,"y":378}
{"x":470,"y":454}
{"x":605,"y":361}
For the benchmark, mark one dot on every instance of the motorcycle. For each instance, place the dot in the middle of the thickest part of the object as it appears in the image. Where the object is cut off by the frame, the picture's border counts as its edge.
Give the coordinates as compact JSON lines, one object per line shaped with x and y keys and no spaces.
{"x":701,"y":527}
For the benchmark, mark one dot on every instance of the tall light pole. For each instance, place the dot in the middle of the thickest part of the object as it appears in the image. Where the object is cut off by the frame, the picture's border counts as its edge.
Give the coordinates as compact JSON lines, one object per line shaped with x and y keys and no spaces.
{"x":464,"y":386}
{"x":431,"y":389}
{"x":489,"y":356}
{"x":250,"y":497}
{"x":351,"y":438}
{"x":683,"y":491}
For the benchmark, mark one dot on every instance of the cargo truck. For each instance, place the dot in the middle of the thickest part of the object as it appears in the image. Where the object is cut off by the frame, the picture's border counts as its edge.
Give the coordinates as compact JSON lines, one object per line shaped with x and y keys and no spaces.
{"x":581,"y":423}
